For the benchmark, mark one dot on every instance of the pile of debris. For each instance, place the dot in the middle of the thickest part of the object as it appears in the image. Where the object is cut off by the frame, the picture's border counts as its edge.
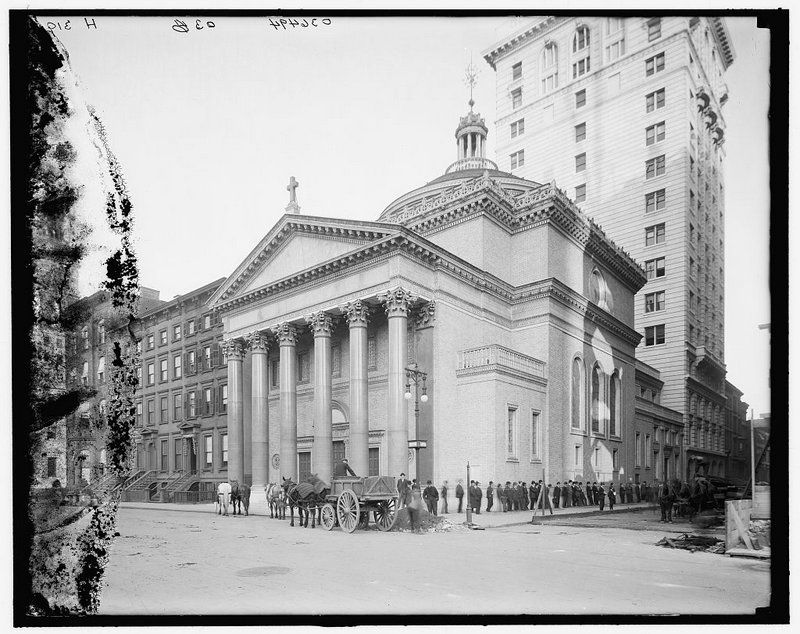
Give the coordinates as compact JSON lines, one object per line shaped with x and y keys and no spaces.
{"x":694,"y":543}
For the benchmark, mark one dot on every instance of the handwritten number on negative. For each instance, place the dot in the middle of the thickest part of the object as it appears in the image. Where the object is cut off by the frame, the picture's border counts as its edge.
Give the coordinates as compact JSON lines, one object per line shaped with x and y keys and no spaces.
{"x":181,"y":27}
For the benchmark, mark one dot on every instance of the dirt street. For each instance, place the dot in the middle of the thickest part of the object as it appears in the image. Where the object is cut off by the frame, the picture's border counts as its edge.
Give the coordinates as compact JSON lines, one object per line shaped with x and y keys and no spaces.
{"x":195,"y":562}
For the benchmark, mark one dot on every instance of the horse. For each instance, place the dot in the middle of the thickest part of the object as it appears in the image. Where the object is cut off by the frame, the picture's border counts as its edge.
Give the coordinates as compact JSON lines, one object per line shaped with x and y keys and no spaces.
{"x":223,"y":497}
{"x":308,"y":497}
{"x":240,"y":493}
{"x":276,"y":499}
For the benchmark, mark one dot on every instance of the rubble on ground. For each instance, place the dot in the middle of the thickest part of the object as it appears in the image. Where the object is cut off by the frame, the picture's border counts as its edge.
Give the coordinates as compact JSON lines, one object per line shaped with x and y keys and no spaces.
{"x":428,"y":523}
{"x":694,"y":543}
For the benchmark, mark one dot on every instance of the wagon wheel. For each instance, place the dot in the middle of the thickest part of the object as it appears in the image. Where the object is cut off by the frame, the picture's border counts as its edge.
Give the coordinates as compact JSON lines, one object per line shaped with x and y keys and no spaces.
{"x":348,"y":510}
{"x":386,"y":514}
{"x":328,"y":516}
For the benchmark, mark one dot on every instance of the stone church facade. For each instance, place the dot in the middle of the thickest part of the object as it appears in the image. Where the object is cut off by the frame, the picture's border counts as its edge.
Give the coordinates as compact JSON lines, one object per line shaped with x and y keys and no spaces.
{"x":517,"y":307}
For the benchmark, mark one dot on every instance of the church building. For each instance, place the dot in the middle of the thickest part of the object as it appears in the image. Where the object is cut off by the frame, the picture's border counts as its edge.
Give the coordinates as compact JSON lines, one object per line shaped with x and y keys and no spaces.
{"x":481,"y":319}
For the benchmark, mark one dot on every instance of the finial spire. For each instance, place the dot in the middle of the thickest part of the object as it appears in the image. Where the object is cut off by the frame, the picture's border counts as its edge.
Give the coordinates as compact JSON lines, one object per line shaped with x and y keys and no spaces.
{"x":293,"y":207}
{"x":470,"y":79}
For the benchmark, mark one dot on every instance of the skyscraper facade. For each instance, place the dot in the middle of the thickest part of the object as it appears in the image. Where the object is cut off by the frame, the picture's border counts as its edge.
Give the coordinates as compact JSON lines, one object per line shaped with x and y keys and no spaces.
{"x":625,"y":114}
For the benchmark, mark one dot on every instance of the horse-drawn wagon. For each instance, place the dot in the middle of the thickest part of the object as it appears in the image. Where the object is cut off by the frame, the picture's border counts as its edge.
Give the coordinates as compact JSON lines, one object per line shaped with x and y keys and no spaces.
{"x":350,"y":501}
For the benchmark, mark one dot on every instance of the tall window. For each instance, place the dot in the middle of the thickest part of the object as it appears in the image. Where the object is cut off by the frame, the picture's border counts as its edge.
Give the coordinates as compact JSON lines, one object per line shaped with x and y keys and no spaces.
{"x":534,"y":434}
{"x":580,"y":50}
{"x":209,"y":450}
{"x":177,"y":369}
{"x":511,"y":432}
{"x":580,"y":162}
{"x":177,"y":444}
{"x":164,"y":402}
{"x":101,"y":332}
{"x":374,"y":461}
{"x":206,"y":322}
{"x":580,"y":132}
{"x":580,"y":193}
{"x":162,"y":337}
{"x":516,"y":71}
{"x":654,"y":234}
{"x":151,"y":341}
{"x":164,"y":455}
{"x":580,"y":99}
{"x":517,"y":128}
{"x":151,"y":373}
{"x":139,"y":414}
{"x":654,"y":302}
{"x":596,"y":399}
{"x":648,"y":451}
{"x":653,"y":29}
{"x":654,"y":64}
{"x":655,"y":100}
{"x":655,"y":133}
{"x":191,"y":362}
{"x":655,"y":201}
{"x":192,"y":404}
{"x":614,"y":405}
{"x":208,"y":407}
{"x":85,"y":337}
{"x":101,"y":370}
{"x":224,"y":439}
{"x":176,"y":332}
{"x":654,"y":335}
{"x":638,"y":450}
{"x":223,"y":399}
{"x":517,"y":159}
{"x":549,"y":68}
{"x":206,"y":357}
{"x":151,"y":411}
{"x":516,"y":98}
{"x":190,"y":327}
{"x":163,"y":370}
{"x":655,"y":166}
{"x":577,"y":394}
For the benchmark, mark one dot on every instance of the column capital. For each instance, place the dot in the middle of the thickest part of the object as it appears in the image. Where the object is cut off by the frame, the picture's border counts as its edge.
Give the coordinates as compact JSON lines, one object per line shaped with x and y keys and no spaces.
{"x":321,"y":323}
{"x":258,"y":341}
{"x":425,"y":315}
{"x":398,"y":302}
{"x":233,"y":349}
{"x":357,"y":313}
{"x":285,"y":333}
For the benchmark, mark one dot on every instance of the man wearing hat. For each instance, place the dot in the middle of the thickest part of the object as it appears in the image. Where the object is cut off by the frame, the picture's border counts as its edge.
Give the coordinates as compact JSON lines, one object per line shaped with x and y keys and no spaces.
{"x":342,"y":469}
{"x":489,"y":496}
{"x":431,"y":497}
{"x":557,"y":494}
{"x":501,"y":497}
{"x":403,"y":490}
{"x":459,"y":495}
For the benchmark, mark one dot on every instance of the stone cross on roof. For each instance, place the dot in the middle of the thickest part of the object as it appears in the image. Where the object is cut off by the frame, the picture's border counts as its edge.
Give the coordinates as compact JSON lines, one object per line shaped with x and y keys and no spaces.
{"x":292,"y":189}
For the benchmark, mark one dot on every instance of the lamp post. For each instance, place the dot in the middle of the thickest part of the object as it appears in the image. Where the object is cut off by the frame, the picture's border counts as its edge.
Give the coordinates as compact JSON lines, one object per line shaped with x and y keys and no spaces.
{"x":417,"y":376}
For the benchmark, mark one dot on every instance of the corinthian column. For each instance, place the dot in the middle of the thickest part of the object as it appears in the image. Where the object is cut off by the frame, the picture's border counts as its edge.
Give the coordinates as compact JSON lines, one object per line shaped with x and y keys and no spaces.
{"x":322,"y":454}
{"x":398,"y":302}
{"x":258,"y":343}
{"x":287,"y":339}
{"x":357,"y":314}
{"x":234,"y":354}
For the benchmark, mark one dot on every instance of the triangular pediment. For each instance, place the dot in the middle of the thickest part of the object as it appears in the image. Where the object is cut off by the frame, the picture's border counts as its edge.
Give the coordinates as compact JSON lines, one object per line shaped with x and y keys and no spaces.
{"x":295,"y":244}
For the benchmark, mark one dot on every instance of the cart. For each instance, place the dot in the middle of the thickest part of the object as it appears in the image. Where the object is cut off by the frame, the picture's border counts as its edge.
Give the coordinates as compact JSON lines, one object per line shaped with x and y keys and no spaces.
{"x":351,"y":500}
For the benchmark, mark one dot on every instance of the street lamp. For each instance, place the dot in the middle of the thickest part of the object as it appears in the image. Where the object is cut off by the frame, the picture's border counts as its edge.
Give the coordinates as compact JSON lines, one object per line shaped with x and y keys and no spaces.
{"x":417,"y":376}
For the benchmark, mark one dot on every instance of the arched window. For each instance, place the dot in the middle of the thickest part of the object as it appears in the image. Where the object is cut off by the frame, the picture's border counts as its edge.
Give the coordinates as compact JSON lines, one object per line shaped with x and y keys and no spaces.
{"x":580,"y":40}
{"x":549,"y":67}
{"x":614,"y":405}
{"x":596,"y":399}
{"x":580,"y":52}
{"x":578,"y":394}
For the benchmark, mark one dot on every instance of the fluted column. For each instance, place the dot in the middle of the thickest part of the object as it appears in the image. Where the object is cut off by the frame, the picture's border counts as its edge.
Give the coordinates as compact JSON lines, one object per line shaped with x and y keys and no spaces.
{"x":287,"y":340}
{"x":357,"y":315}
{"x":259,"y":344}
{"x":398,"y":302}
{"x":322,"y":454}
{"x":234,"y":354}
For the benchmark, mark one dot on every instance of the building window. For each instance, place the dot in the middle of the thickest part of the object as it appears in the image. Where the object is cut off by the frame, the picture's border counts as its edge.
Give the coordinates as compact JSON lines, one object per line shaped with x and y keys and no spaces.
{"x":655,"y":100}
{"x":208,"y":407}
{"x":596,"y":400}
{"x":374,"y":461}
{"x":577,"y":396}
{"x":164,"y":455}
{"x":615,"y":51}
{"x":164,"y":402}
{"x":654,"y":234}
{"x":655,"y":133}
{"x":177,"y":368}
{"x":190,"y":327}
{"x":151,"y":411}
{"x":224,"y":439}
{"x":192,"y":405}
{"x":511,"y":432}
{"x":648,"y":451}
{"x":580,"y":41}
{"x":162,"y":338}
{"x":191,"y":362}
{"x":655,"y":268}
{"x":534,"y":434}
{"x":516,"y":71}
{"x":638,"y":450}
{"x":151,"y":341}
{"x":516,"y":98}
{"x":580,"y":98}
{"x":223,"y":399}
{"x":138,"y":375}
{"x":655,"y":201}
{"x":653,"y":302}
{"x":176,"y":332}
{"x":151,"y":373}
{"x":206,"y":322}
{"x":85,"y":337}
{"x":614,"y":25}
{"x":655,"y":167}
{"x":206,"y":357}
{"x":101,"y":370}
{"x":580,"y":162}
{"x":580,"y":132}
{"x":85,"y":373}
{"x":177,"y":448}
{"x":517,"y":128}
{"x":276,"y":368}
{"x":163,"y":370}
{"x":581,"y":67}
{"x":580,"y":193}
{"x":517,"y":159}
{"x":614,"y":405}
{"x":549,"y":68}
{"x":372,"y":353}
{"x":653,"y":29}
{"x":139,"y":414}
{"x":654,"y":64}
{"x":101,"y":332}
{"x":209,"y":450}
{"x":654,"y":335}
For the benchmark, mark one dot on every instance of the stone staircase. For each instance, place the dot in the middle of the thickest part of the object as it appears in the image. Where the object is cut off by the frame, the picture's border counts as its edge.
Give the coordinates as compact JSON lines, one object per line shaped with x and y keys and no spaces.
{"x":143,"y":482}
{"x":182,"y":482}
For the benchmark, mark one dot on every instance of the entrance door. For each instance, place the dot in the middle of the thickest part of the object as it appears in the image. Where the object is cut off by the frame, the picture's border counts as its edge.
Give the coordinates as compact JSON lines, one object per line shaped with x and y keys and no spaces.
{"x":151,"y":457}
{"x":191,"y":452}
{"x":338,"y":452}
{"x":304,"y":465}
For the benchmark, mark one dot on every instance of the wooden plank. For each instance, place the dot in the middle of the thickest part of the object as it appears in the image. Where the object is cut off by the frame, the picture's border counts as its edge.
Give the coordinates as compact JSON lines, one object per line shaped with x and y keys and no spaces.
{"x":743,"y":532}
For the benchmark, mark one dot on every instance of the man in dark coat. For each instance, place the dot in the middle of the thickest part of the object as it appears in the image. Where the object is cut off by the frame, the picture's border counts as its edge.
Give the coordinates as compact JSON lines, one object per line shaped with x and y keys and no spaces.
{"x":444,"y":498}
{"x":637,"y":492}
{"x":589,"y":497}
{"x":629,"y":491}
{"x":342,"y":469}
{"x":575,"y":493}
{"x":509,"y":495}
{"x":601,"y":496}
{"x":566,"y":492}
{"x":403,"y":490}
{"x":557,"y":494}
{"x":478,"y":497}
{"x":489,"y":496}
{"x":459,"y":495}
{"x":534,"y":493}
{"x":666,"y":498}
{"x":525,"y":502}
{"x":612,"y":496}
{"x":621,"y":493}
{"x":431,"y":497}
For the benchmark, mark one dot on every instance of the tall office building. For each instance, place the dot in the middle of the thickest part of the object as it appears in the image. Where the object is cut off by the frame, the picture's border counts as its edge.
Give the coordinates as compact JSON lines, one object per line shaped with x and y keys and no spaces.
{"x":625,"y":115}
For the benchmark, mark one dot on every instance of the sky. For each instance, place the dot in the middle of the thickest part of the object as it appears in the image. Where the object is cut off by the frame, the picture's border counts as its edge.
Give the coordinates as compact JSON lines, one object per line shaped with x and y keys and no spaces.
{"x":210,"y":124}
